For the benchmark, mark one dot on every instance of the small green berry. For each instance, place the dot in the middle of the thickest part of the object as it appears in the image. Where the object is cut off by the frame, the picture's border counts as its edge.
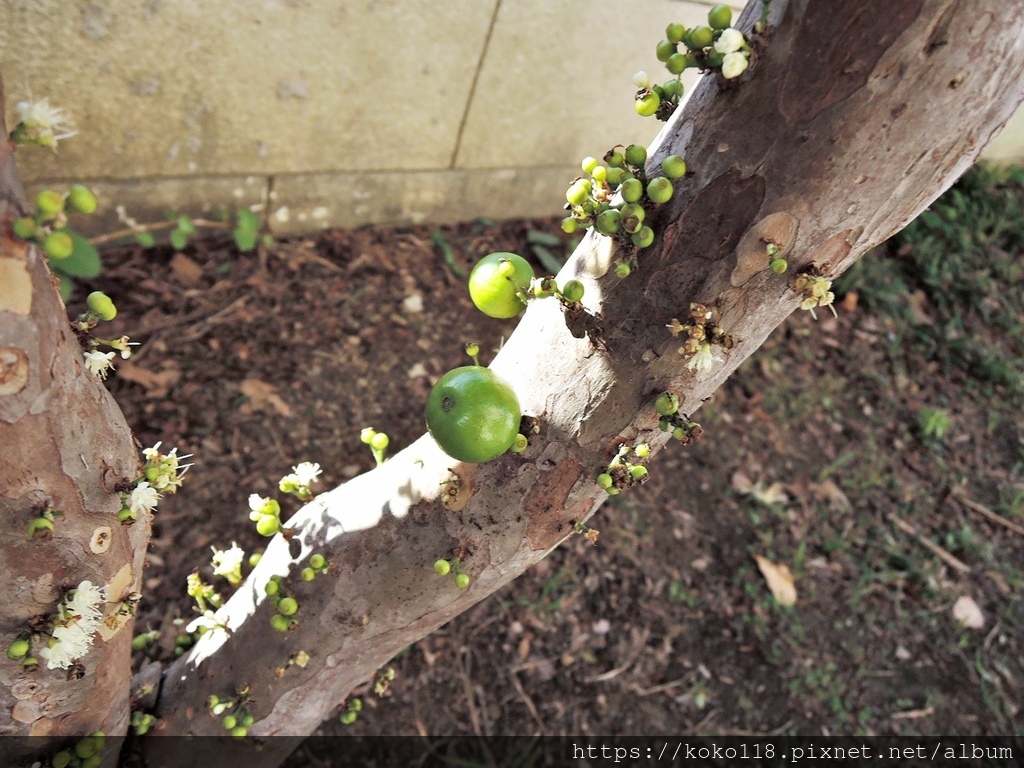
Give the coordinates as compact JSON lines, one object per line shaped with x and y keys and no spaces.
{"x":700,"y":38}
{"x":239,"y":732}
{"x":674,"y":88}
{"x":366,"y":435}
{"x":86,"y":748}
{"x":229,"y":721}
{"x":578,"y":192}
{"x":280,"y":623}
{"x":677,"y":62}
{"x":520,"y":443}
{"x":720,"y":17}
{"x":623,"y":270}
{"x":442,"y":567}
{"x":646,"y":104}
{"x":666,"y":404}
{"x":573,"y":290}
{"x":18,"y":649}
{"x":81,"y":199}
{"x":613,"y":158}
{"x":381,"y":441}
{"x":125,"y":515}
{"x":348,"y":717}
{"x":608,"y":222}
{"x":664,"y":49}
{"x":643,"y":237}
{"x":569,"y":225}
{"x":642,"y":450}
{"x":638,"y":473}
{"x":613,"y":491}
{"x":589,"y":164}
{"x":674,"y":167}
{"x":268,"y":525}
{"x":30,"y":662}
{"x":61,"y":760}
{"x":317,"y":561}
{"x":308,"y":574}
{"x":614,"y":176}
{"x":254,"y":559}
{"x":58,"y":245}
{"x":24,"y":227}
{"x":600,"y":173}
{"x":659,"y":190}
{"x":636,"y":155}
{"x":632,"y":190}
{"x":287,"y":606}
{"x":675,"y":32}
{"x":248,"y":720}
{"x":605,"y":480}
{"x":679,"y":433}
{"x":49,"y":204}
{"x":779,"y":266}
{"x":462,"y":581}
{"x":101,"y":306}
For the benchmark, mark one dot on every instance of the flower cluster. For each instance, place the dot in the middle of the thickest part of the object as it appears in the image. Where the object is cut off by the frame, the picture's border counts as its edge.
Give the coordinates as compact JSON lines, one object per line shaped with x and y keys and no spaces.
{"x":266,"y":513}
{"x":228,"y":563}
{"x":816,"y":290}
{"x":701,"y":335}
{"x":682,"y":428}
{"x":164,"y":470}
{"x":625,"y":469}
{"x":42,"y":124}
{"x":204,"y":594}
{"x":100,"y":308}
{"x":299,"y":481}
{"x":78,"y":618}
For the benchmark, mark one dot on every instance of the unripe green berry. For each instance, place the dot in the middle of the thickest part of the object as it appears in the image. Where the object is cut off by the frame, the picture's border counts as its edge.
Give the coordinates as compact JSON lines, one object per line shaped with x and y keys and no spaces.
{"x":659,"y":190}
{"x":58,"y":245}
{"x":442,"y":567}
{"x":381,"y":441}
{"x":86,"y":748}
{"x":600,"y":173}
{"x":61,"y":760}
{"x":674,"y":167}
{"x":569,"y":225}
{"x":638,"y":473}
{"x":674,"y":88}
{"x":715,"y":60}
{"x":589,"y":164}
{"x":254,"y":559}
{"x":24,"y":227}
{"x":779,"y":266}
{"x":643,"y":237}
{"x":81,"y":199}
{"x":280,"y":623}
{"x":472,"y":349}
{"x":520,"y":443}
{"x":674,"y":32}
{"x":308,"y":574}
{"x":700,"y":38}
{"x":573,"y":290}
{"x":605,"y":480}
{"x":636,"y":155}
{"x":613,"y":491}
{"x":677,"y":62}
{"x":647,"y":104}
{"x":18,"y":649}
{"x":623,"y":270}
{"x":578,"y":192}
{"x":462,"y":581}
{"x":229,"y":721}
{"x":349,"y":717}
{"x":287,"y":606}
{"x":49,"y":204}
{"x":633,"y":209}
{"x":613,"y":158}
{"x":317,"y":561}
{"x":268,"y":525}
{"x":613,"y":177}
{"x":720,"y":17}
{"x":666,"y":404}
{"x":664,"y":49}
{"x":101,"y":306}
{"x":679,"y":433}
{"x":248,"y":720}
{"x":366,"y":435}
{"x":642,"y":450}
{"x":239,"y":732}
{"x":608,"y":222}
{"x":632,"y":190}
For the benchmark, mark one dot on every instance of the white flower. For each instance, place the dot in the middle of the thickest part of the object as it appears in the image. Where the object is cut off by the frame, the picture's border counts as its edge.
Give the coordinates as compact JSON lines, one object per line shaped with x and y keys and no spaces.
{"x":730,"y":41}
{"x":143,"y":498}
{"x":256,"y":502}
{"x":162,"y":470}
{"x":85,"y":602}
{"x":42,"y":124}
{"x":734,"y":65}
{"x":641,"y":80}
{"x":205,"y":623}
{"x":98,"y":363}
{"x":228,"y":563}
{"x":704,"y":360}
{"x":307,"y":472}
{"x":69,"y":643}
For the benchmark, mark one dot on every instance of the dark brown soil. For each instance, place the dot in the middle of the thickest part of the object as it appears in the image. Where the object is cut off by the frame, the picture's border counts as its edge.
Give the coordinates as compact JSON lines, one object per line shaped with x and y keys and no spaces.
{"x":666,"y":626}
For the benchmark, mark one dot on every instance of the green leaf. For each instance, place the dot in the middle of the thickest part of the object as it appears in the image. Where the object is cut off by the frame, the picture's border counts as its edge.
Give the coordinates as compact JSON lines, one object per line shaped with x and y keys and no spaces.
{"x":547,"y":259}
{"x":67,"y":286}
{"x":447,"y":253}
{"x":245,"y":239}
{"x":145,"y":239}
{"x":179,"y":239}
{"x":247,"y":220}
{"x":185,"y":225}
{"x":84,"y":260}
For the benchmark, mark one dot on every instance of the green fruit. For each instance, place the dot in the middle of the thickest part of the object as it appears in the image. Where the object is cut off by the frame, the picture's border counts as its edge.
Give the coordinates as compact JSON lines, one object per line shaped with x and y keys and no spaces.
{"x":272,"y":588}
{"x":254,"y":559}
{"x":643,"y":450}
{"x":675,"y":32}
{"x":61,"y":760}
{"x":308,"y":574}
{"x":229,"y":721}
{"x":632,"y":190}
{"x":674,"y":88}
{"x":673,"y":166}
{"x":18,"y":649}
{"x":472,"y":414}
{"x":578,"y":192}
{"x":700,"y":38}
{"x":101,"y":305}
{"x":633,"y":210}
{"x":666,"y":404}
{"x":462,"y":581}
{"x":268,"y":525}
{"x":720,"y":17}
{"x":520,"y":444}
{"x":280,"y":623}
{"x":613,"y":158}
{"x":659,"y":190}
{"x":677,"y":62}
{"x":605,"y":480}
{"x":665,"y":49}
{"x":81,"y":199}
{"x":239,"y":732}
{"x":647,"y":104}
{"x":86,"y":748}
{"x":643,"y":237}
{"x":381,"y":441}
{"x":600,"y":173}
{"x":317,"y":561}
{"x":347,"y":718}
{"x":58,"y":245}
{"x":569,"y":225}
{"x":442,"y":567}
{"x":573,"y":290}
{"x":608,"y":222}
{"x":24,"y":227}
{"x":49,"y":204}
{"x":638,"y":473}
{"x":589,"y":164}
{"x":636,"y":155}
{"x":287,"y":606}
{"x":779,"y":266}
{"x":623,"y":270}
{"x":497,"y":294}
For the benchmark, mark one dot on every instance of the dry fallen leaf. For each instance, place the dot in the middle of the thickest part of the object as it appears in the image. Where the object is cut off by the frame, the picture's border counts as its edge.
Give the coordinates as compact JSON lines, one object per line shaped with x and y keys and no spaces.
{"x":263,"y":396}
{"x":967,"y":612}
{"x":157,"y":383}
{"x":768,"y":496}
{"x":832,"y":493}
{"x":185,"y":269}
{"x":779,"y":579}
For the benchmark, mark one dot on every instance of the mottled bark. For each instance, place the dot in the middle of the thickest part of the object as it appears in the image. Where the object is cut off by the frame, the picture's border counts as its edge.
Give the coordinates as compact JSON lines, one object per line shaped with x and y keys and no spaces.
{"x":63,"y":443}
{"x":852,"y":119}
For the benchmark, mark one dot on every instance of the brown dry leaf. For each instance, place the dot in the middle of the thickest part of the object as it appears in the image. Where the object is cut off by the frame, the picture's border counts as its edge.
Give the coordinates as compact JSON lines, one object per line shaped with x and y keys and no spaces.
{"x":769,"y":496}
{"x":968,"y":613}
{"x":157,"y":383}
{"x":918,"y":301}
{"x":263,"y":396}
{"x":831,"y":493}
{"x":185,"y":269}
{"x":779,"y":579}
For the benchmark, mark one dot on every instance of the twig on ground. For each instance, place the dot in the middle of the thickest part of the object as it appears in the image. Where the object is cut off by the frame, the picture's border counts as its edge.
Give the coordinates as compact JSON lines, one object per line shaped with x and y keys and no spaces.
{"x":943,"y":555}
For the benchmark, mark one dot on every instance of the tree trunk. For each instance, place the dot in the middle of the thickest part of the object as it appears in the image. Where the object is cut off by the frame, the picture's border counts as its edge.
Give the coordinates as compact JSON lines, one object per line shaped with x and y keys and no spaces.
{"x":63,"y":445}
{"x":852,"y":119}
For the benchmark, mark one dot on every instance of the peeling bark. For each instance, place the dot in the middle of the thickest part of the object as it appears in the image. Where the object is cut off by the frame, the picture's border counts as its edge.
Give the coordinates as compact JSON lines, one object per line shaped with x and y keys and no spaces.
{"x":853,"y":118}
{"x":63,"y":443}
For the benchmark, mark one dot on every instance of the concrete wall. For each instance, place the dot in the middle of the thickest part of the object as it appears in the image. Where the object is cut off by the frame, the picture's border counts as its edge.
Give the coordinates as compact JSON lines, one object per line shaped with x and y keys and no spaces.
{"x":335,"y":113}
